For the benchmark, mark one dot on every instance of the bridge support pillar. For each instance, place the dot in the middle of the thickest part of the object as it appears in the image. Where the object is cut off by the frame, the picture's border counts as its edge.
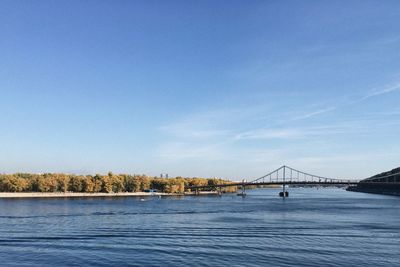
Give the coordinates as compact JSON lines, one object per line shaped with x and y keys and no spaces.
{"x":284,"y":193}
{"x":243,"y":193}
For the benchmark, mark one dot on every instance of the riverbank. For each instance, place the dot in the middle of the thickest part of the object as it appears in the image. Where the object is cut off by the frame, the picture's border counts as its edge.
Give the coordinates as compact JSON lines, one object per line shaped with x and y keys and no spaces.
{"x":377,"y":188}
{"x":73,"y":194}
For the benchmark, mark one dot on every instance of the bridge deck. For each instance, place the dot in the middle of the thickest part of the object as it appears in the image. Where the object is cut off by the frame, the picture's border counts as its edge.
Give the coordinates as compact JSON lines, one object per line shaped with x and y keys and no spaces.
{"x":285,"y":176}
{"x":277,"y":183}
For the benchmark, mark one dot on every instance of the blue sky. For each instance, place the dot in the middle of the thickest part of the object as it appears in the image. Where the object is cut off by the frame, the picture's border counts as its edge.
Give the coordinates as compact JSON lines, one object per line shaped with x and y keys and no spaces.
{"x":200,"y":88}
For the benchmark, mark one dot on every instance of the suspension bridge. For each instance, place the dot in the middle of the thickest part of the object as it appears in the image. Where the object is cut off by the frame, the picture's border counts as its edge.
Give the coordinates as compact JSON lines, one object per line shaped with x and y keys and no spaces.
{"x":283,"y":176}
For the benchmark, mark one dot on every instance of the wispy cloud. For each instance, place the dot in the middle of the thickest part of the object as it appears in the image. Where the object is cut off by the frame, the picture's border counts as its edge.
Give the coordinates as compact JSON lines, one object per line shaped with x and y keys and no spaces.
{"x":227,"y":124}
{"x":269,"y":134}
{"x":379,"y":92}
{"x":314,"y":113}
{"x":209,"y":124}
{"x":257,"y":138}
{"x":187,"y":131}
{"x":292,"y":133}
{"x":374,"y":93}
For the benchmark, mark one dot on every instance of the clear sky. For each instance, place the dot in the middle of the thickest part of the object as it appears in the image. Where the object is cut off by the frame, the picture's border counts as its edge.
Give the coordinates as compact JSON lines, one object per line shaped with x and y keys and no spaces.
{"x":200,"y":88}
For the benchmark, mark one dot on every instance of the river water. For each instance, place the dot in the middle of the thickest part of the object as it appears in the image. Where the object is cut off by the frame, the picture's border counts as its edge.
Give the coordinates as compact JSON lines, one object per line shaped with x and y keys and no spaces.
{"x":325,"y":227}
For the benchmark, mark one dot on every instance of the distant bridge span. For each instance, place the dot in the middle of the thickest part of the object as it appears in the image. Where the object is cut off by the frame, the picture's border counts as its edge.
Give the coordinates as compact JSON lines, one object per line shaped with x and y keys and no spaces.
{"x":284,"y":176}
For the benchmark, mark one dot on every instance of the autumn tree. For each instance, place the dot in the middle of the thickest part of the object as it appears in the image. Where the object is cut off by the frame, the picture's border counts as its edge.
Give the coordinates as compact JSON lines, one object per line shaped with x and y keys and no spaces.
{"x":58,"y":182}
{"x":106,"y":184}
{"x":88,"y":184}
{"x":144,"y":183}
{"x":11,"y":183}
{"x":132,"y":183}
{"x":117,"y":182}
{"x":62,"y":182}
{"x":97,"y":183}
{"x":75,"y":183}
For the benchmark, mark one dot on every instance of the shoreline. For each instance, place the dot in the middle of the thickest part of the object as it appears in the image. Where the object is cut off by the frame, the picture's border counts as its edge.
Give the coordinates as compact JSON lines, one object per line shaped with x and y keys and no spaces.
{"x":88,"y":195}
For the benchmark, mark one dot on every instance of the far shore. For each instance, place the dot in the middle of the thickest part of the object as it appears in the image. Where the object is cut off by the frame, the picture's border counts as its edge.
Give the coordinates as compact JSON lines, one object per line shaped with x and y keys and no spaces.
{"x":74,"y":194}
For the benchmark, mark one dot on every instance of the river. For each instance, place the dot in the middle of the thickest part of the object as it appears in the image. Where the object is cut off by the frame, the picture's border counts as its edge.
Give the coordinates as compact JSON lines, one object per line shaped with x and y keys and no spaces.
{"x":313,"y":227}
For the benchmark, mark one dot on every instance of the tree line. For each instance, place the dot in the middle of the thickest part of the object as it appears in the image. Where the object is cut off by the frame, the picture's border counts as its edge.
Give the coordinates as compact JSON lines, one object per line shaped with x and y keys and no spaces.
{"x":59,"y":182}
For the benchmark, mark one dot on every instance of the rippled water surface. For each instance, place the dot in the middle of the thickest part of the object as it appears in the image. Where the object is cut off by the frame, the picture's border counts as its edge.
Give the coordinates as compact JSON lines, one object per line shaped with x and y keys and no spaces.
{"x":326,"y":227}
